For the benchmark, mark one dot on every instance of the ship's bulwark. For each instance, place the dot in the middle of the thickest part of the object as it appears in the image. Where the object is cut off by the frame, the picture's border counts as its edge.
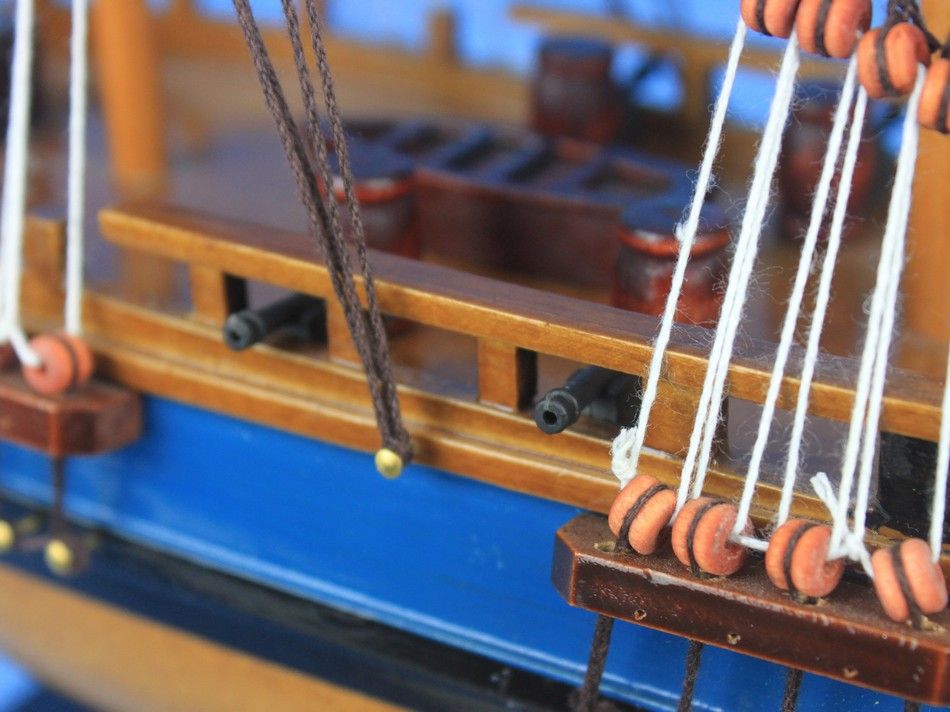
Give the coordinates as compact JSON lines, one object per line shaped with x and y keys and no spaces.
{"x":436,"y":554}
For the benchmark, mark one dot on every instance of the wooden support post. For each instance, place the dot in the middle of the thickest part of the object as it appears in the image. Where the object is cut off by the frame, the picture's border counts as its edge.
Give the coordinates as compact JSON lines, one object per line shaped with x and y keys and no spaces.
{"x":215,"y":295}
{"x":442,"y":32}
{"x":927,"y":301}
{"x":129,"y":82}
{"x":695,"y":94}
{"x":181,"y":9}
{"x":44,"y":267}
{"x":671,"y":420}
{"x":130,"y":85}
{"x":507,"y":375}
{"x":339,"y":342}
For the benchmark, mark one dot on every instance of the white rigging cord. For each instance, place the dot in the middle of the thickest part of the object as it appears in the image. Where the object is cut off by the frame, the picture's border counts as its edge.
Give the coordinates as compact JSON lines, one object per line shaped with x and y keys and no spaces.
{"x":938,"y":510}
{"x":15,"y":184}
{"x":865,"y":414}
{"x":822,"y":300}
{"x":818,"y":211}
{"x":628,"y":444}
{"x":76,"y":188}
{"x":707,"y":416}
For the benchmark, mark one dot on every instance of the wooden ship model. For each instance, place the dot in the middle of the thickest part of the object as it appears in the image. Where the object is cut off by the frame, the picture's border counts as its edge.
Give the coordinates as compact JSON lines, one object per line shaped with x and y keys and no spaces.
{"x":203,"y":524}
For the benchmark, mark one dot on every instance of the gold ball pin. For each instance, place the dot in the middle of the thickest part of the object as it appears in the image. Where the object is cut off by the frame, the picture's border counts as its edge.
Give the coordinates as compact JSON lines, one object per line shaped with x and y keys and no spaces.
{"x":59,"y":557}
{"x":388,"y":463}
{"x":7,"y":536}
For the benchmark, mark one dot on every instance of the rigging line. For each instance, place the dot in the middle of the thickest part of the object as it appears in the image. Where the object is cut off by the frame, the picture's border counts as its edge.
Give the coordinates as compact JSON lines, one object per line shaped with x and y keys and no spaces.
{"x":877,"y":341}
{"x":589,"y":692}
{"x":377,"y":327}
{"x":332,"y":246}
{"x":897,"y":220}
{"x":938,"y":510}
{"x":822,"y":301}
{"x":693,"y":658}
{"x":337,"y":252}
{"x":15,"y":183}
{"x":793,"y":686}
{"x":818,"y":212}
{"x":746,"y":250}
{"x":628,"y":445}
{"x":76,"y":186}
{"x":746,"y":246}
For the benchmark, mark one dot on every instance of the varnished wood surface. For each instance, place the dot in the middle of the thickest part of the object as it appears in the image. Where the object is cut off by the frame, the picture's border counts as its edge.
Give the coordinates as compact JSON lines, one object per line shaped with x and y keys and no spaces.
{"x":529,"y":319}
{"x":112,"y":660}
{"x":127,"y":67}
{"x":97,"y":418}
{"x":846,"y":637}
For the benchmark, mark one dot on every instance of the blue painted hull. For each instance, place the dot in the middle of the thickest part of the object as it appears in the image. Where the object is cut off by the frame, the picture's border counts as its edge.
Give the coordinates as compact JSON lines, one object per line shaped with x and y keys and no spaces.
{"x":438,"y":555}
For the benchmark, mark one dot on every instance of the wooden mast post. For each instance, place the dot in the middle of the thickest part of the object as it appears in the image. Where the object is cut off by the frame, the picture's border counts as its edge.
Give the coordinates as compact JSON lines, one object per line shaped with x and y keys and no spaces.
{"x":130,"y":86}
{"x":129,"y":81}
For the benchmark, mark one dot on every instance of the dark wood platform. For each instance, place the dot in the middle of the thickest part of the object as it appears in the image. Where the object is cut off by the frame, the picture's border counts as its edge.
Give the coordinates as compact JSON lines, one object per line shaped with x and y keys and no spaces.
{"x":99,"y":418}
{"x":846,"y":637}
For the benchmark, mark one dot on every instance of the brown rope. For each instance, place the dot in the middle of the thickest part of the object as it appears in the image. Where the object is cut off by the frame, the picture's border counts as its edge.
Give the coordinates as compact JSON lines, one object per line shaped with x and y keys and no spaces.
{"x":369,"y":335}
{"x":589,"y":693}
{"x":57,"y":509}
{"x":693,"y":656}
{"x":793,"y":685}
{"x":377,"y":326}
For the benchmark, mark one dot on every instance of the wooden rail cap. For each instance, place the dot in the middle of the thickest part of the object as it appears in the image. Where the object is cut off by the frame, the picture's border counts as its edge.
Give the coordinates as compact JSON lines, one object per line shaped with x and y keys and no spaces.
{"x":847,"y":637}
{"x":99,"y":418}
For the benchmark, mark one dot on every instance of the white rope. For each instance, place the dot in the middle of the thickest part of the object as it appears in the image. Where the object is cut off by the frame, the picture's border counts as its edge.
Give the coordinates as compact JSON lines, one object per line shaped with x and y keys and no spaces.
{"x":873,"y":370}
{"x":628,"y":444}
{"x":746,"y":249}
{"x":76,"y":189}
{"x":818,"y":211}
{"x":938,"y":510}
{"x":15,"y":183}
{"x":822,"y":300}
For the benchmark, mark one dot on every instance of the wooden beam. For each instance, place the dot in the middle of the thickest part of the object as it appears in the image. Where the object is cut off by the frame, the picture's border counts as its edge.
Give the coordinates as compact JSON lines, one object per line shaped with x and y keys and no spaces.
{"x":846,"y":636}
{"x":705,"y":52}
{"x":97,"y":418}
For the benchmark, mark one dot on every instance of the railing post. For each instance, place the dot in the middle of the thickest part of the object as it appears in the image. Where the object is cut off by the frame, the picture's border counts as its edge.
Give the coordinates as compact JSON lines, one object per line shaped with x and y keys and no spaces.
{"x":671,"y":420}
{"x":215,"y":295}
{"x":339,"y":342}
{"x":44,"y":267}
{"x":442,"y":32}
{"x":181,"y":9}
{"x":507,"y":375}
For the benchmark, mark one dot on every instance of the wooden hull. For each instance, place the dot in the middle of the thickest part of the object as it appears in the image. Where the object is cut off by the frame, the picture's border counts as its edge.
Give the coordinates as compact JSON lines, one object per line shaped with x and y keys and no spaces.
{"x":447,"y":558}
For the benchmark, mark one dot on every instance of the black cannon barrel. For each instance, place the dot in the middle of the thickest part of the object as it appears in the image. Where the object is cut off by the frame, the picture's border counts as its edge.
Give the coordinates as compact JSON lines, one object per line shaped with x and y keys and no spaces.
{"x":561,"y":407}
{"x":626,"y":395}
{"x":245,"y":328}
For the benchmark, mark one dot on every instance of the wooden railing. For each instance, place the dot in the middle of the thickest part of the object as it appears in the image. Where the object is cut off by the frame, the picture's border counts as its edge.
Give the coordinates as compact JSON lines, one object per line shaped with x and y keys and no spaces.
{"x":697,"y":58}
{"x":505,"y":316}
{"x":178,"y":353}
